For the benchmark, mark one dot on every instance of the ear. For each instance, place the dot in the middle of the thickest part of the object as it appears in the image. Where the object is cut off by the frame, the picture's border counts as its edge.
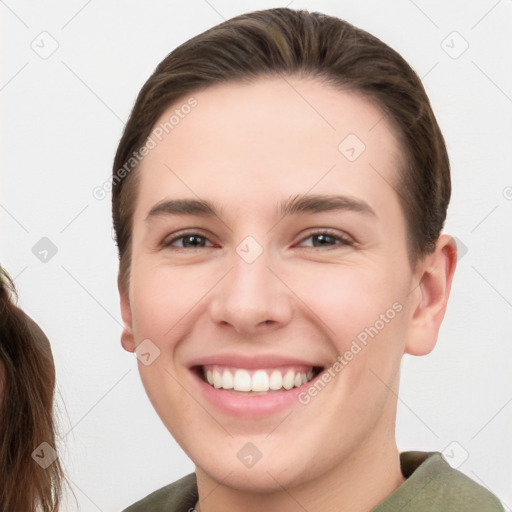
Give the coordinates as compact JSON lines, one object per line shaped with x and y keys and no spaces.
{"x":127,"y":338}
{"x":434,"y":275}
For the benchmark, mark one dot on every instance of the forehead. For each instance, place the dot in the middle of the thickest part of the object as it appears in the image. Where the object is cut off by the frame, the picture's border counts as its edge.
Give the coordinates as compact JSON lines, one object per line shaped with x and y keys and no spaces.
{"x":268,"y":136}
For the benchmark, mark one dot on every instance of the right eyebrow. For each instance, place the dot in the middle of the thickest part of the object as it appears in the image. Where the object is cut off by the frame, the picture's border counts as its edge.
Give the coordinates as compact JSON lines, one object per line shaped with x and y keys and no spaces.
{"x":183,"y":207}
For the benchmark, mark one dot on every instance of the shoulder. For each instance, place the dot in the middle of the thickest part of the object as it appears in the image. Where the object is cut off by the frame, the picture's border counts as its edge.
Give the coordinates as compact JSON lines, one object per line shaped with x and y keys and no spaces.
{"x":441,"y":487}
{"x":180,"y":496}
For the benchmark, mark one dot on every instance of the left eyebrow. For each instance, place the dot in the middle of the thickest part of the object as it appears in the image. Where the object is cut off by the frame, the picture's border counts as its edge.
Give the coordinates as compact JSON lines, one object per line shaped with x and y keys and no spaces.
{"x":315,"y":203}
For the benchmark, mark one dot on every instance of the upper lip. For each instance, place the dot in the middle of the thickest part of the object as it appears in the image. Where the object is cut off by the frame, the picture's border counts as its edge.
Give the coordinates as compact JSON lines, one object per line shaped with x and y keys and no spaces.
{"x":251,"y":361}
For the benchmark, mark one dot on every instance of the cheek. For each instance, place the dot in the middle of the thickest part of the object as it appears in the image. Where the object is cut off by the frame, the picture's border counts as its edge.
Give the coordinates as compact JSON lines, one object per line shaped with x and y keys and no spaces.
{"x":166,"y":299}
{"x":363,"y":314}
{"x":350,"y":299}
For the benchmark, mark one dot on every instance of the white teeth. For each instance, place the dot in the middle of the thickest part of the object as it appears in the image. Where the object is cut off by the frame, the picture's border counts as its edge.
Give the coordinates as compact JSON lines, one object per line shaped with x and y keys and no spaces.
{"x":242,"y":381}
{"x":217,"y":379}
{"x":288,"y":379}
{"x":276,"y":380}
{"x":259,"y":381}
{"x":227,"y":380}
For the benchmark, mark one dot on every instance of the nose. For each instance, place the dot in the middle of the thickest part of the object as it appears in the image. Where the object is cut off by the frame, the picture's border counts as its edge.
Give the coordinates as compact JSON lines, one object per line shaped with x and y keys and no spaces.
{"x":251,"y":299}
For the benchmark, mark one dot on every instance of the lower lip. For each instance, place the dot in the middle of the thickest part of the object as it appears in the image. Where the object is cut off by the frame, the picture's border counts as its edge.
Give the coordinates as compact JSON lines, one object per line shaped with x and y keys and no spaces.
{"x":251,"y":406}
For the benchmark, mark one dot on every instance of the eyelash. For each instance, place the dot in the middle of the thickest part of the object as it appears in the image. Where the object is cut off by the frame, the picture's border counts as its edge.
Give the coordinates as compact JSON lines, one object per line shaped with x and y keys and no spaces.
{"x":344,"y":240}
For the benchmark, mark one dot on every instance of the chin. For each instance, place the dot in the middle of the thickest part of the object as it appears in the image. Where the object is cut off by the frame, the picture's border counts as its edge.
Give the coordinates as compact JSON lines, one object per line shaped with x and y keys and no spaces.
{"x":267,"y":475}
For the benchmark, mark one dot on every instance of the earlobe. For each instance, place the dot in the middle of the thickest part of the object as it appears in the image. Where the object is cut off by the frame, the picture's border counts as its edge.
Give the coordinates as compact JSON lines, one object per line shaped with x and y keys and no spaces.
{"x":127,"y":337}
{"x":435,"y":275}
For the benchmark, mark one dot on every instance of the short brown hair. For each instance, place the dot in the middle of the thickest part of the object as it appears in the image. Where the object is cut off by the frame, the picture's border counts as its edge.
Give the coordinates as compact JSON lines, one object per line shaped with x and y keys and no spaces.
{"x":287,"y":42}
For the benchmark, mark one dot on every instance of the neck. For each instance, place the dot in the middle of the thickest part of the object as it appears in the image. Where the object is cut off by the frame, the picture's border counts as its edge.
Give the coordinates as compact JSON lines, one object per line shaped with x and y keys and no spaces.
{"x":359,"y":483}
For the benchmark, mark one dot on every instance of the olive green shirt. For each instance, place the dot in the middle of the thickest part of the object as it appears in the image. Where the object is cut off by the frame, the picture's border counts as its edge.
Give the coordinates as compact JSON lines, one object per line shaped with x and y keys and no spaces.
{"x":432,"y":485}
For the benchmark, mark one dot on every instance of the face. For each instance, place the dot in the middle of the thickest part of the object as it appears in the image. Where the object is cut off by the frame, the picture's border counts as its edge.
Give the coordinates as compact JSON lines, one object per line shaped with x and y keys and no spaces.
{"x":269,"y":258}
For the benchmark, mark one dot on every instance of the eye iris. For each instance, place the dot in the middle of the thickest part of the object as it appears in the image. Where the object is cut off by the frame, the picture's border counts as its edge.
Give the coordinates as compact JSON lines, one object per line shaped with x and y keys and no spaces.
{"x":193,"y":241}
{"x":323,"y":239}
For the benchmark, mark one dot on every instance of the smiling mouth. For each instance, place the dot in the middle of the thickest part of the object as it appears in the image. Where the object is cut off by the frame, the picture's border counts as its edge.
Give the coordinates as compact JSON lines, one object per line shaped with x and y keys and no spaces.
{"x":257,"y":381}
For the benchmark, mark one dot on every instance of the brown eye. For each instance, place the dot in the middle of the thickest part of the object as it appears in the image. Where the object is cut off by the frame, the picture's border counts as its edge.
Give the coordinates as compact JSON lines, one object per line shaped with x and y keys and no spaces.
{"x":187,"y":241}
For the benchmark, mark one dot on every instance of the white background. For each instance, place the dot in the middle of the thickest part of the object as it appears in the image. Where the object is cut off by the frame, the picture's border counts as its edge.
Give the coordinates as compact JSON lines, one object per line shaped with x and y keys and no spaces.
{"x":62,"y":117}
